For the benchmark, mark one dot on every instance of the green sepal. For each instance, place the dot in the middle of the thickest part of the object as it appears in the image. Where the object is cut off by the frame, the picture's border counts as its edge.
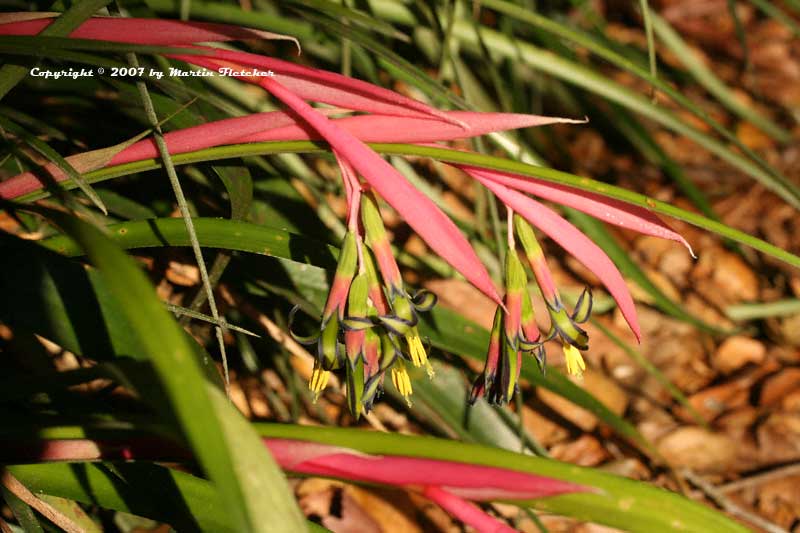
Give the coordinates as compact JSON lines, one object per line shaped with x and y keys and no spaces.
{"x":403,"y":310}
{"x":567,"y":329}
{"x":527,"y":237}
{"x":397,"y":325}
{"x":371,"y":219}
{"x":328,"y":348}
{"x":348,"y":256}
{"x":540,"y":355}
{"x":390,"y":350}
{"x":424,"y":300}
{"x":354,"y":323}
{"x":512,"y":356}
{"x":355,"y":385}
{"x":516,"y":280}
{"x":583,"y":307}
{"x":306,"y":340}
{"x":371,"y":391}
{"x":373,"y":278}
{"x":357,"y":299}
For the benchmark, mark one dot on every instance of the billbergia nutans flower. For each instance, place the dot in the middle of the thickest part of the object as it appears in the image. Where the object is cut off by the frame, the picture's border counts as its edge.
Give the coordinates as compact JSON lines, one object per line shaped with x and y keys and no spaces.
{"x":369,"y":322}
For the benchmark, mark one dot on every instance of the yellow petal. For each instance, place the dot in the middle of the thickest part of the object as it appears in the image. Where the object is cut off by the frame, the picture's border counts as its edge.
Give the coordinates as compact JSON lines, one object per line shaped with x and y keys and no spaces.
{"x":401,"y":380}
{"x":574,"y":359}
{"x":319,"y":380}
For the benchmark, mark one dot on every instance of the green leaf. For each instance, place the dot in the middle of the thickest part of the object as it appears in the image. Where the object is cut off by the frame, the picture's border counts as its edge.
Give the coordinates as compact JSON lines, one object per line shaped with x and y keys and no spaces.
{"x":648,"y":30}
{"x":615,"y":501}
{"x":22,"y":511}
{"x":44,"y":149}
{"x":60,"y":300}
{"x":232,"y":14}
{"x":186,"y":502}
{"x":250,"y":484}
{"x":442,"y":402}
{"x":74,"y":512}
{"x":455,"y":156}
{"x":178,"y":310}
{"x":346,"y":12}
{"x":212,"y":233}
{"x":757,"y":311}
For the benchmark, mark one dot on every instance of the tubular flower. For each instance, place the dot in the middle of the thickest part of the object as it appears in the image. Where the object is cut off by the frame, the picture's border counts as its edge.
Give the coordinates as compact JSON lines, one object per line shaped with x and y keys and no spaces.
{"x":562,"y":324}
{"x":402,"y":319}
{"x":514,"y":333}
{"x":369,"y":322}
{"x":328,"y":346}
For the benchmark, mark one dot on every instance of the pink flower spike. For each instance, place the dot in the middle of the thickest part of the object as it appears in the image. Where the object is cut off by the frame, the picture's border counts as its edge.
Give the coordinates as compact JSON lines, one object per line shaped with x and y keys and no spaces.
{"x":419,"y":211}
{"x":606,"y":209}
{"x":475,"y":482}
{"x":574,"y":242}
{"x":467,"y":512}
{"x":155,"y":32}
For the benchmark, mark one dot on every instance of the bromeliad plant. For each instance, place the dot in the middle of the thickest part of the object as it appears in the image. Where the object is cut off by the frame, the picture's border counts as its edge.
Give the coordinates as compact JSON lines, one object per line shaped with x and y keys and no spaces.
{"x":369,"y":322}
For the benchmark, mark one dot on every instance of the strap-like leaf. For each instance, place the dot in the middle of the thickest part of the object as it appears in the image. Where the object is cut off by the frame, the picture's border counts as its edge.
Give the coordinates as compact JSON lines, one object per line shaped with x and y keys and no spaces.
{"x":138,"y":31}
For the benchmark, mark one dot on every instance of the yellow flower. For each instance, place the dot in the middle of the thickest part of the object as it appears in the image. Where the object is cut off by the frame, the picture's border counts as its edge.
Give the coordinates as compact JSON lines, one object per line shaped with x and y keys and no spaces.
{"x":575,"y":364}
{"x":417,"y":351}
{"x":319,"y":380}
{"x":401,"y":380}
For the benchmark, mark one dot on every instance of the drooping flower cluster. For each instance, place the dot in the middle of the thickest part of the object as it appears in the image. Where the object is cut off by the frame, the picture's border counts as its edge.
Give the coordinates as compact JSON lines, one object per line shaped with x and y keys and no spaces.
{"x":369,"y":323}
